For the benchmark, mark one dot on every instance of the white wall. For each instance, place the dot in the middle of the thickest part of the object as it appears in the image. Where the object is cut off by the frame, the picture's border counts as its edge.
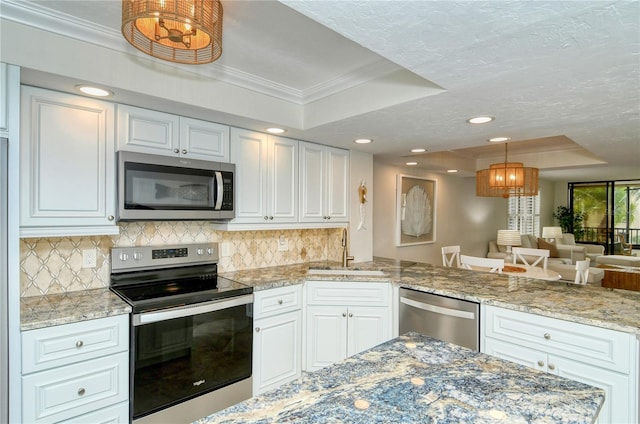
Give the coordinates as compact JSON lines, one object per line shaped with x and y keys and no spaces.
{"x":461,"y":217}
{"x":361,"y":240}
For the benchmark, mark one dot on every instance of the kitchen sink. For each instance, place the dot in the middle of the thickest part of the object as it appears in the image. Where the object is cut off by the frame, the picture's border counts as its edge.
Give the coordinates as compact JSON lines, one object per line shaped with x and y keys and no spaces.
{"x":354,"y":272}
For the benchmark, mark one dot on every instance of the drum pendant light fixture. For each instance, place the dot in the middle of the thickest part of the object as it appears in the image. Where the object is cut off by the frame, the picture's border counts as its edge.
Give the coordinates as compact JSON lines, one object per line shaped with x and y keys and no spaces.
{"x":181,"y":31}
{"x":507,"y":179}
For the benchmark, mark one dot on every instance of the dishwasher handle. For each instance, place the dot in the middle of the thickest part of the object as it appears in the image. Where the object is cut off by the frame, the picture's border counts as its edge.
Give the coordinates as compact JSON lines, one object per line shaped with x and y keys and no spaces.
{"x":438,"y":309}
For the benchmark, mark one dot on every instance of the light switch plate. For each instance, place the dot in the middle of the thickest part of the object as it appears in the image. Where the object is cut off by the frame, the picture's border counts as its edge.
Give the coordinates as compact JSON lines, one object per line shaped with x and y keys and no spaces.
{"x":283,"y":244}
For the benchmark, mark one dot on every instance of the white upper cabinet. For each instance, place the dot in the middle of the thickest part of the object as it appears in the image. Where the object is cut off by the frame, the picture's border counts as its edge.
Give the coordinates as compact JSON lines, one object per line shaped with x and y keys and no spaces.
{"x":266,"y":177}
{"x":67,"y":165}
{"x":148,"y":131}
{"x":324,"y":186}
{"x":4,"y":110}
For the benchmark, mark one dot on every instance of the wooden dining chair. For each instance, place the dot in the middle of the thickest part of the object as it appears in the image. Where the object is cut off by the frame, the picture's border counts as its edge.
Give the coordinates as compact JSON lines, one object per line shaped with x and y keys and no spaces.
{"x":451,"y":255}
{"x":625,"y":248}
{"x":525,"y":254}
{"x":582,"y":271}
{"x":494,"y":265}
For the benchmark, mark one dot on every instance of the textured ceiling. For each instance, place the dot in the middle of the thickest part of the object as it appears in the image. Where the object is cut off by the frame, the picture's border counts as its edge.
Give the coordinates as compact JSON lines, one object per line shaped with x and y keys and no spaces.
{"x":562,"y":76}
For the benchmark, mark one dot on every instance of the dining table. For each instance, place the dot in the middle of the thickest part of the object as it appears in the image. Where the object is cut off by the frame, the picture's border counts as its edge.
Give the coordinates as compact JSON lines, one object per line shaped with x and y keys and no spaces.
{"x":525,"y":271}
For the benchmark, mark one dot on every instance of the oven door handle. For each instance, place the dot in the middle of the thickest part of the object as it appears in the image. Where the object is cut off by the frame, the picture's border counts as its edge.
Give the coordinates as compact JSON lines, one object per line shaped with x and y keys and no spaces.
{"x":190,"y":310}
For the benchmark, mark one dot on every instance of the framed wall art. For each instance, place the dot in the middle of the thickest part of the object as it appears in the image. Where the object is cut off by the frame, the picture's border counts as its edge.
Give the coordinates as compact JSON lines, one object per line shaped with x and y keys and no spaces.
{"x":415,"y":210}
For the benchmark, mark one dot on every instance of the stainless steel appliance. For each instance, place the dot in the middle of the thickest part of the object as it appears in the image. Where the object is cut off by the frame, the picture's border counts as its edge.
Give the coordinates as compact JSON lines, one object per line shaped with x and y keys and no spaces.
{"x":191,"y":332}
{"x":4,"y":304}
{"x":153,"y":188}
{"x":452,"y":320}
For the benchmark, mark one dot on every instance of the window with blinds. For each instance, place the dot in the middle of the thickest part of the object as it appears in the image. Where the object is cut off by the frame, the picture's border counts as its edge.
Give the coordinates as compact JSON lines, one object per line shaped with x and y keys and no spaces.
{"x":524,"y":214}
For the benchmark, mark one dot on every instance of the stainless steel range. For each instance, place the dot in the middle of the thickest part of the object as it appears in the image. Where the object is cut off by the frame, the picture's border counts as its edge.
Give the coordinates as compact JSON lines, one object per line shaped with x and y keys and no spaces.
{"x":191,"y":331}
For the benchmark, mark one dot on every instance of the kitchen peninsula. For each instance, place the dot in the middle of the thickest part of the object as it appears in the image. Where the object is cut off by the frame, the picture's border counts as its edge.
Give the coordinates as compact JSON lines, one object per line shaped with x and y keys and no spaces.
{"x":413,"y":379}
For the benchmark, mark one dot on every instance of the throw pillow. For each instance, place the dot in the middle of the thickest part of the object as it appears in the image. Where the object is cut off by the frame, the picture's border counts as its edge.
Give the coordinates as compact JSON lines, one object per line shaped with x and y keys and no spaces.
{"x":551,"y":247}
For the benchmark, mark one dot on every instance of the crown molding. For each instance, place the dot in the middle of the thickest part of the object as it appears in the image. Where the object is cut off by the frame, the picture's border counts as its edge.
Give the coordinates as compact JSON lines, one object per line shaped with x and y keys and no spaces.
{"x":43,"y":18}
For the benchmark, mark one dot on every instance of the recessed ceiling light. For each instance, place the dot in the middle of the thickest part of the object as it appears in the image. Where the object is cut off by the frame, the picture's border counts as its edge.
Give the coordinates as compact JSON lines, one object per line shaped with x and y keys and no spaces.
{"x":275,"y":130}
{"x":452,"y":171}
{"x":363,"y":141}
{"x":418,"y":150}
{"x":94,"y":91}
{"x":480,"y":119}
{"x":412,"y":163}
{"x":499,"y":139}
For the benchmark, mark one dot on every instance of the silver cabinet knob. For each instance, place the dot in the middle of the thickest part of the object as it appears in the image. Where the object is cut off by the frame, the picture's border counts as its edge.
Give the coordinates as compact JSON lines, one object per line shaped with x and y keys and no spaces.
{"x":344,"y":314}
{"x":552,"y":367}
{"x":266,"y":218}
{"x":184,"y":151}
{"x":280,"y":302}
{"x":350,"y":315}
{"x":328,"y":217}
{"x":257,"y":329}
{"x":547,"y":336}
{"x":111,"y":217}
{"x":81,"y":392}
{"x":270,"y":218}
{"x":176,"y":150}
{"x":541,"y":363}
{"x":79,"y":344}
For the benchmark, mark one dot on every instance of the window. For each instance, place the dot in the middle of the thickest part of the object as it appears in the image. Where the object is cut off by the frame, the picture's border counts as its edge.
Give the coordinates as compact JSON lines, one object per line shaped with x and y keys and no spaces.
{"x":524,"y":214}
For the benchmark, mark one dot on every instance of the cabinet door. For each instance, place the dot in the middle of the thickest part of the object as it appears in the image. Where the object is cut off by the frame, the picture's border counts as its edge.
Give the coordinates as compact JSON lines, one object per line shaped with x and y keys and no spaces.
{"x":249,"y":153}
{"x":283,"y":179}
{"x":326,"y":336}
{"x":618,"y":404}
{"x":67,"y":165}
{"x":277,"y":350}
{"x":312,"y":188}
{"x":4,"y":114}
{"x":204,"y":140}
{"x":367,"y":327}
{"x":148,"y":131}
{"x":337,"y":185}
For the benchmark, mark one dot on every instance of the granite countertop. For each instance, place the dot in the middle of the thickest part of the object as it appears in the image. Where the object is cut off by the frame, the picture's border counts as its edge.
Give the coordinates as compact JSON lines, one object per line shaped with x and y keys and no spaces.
{"x":591,"y":305}
{"x":415,"y":378}
{"x":64,"y":308}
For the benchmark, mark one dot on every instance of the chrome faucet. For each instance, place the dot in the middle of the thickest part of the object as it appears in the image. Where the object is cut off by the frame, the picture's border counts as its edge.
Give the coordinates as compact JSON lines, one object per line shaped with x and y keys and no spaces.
{"x":345,"y":252}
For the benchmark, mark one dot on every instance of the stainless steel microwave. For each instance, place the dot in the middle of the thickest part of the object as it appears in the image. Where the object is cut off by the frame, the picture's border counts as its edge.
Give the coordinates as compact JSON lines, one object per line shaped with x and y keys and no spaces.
{"x":164,"y":188}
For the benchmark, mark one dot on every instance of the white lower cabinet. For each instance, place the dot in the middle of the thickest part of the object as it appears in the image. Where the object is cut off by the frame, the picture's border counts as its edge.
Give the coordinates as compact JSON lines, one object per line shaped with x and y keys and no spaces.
{"x":77,"y":372}
{"x":596,"y":356}
{"x":344,"y":318}
{"x":277,"y":337}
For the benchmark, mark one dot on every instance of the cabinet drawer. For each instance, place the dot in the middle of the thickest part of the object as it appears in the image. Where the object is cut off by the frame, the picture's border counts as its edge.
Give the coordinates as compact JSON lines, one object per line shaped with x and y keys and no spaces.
{"x":66,"y":392}
{"x":597,"y":346}
{"x":45,"y":348}
{"x":116,"y":414}
{"x":336,"y":293}
{"x":276,"y":301}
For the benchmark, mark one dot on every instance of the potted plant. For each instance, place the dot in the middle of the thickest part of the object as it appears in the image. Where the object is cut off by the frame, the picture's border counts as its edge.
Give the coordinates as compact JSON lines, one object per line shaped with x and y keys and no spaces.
{"x":569,"y":222}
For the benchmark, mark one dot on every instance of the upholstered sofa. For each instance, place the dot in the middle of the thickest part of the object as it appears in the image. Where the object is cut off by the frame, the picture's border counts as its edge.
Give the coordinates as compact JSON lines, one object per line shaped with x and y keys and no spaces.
{"x":592,"y":251}
{"x":562,"y":260}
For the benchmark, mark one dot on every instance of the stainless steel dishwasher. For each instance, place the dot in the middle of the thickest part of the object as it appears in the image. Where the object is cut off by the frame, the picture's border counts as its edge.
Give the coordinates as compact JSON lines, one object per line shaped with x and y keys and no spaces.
{"x":452,"y":320}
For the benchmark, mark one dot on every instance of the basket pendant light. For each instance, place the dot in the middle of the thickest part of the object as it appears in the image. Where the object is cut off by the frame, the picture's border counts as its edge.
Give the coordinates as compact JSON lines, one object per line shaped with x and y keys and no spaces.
{"x":507,"y":179}
{"x":181,"y":31}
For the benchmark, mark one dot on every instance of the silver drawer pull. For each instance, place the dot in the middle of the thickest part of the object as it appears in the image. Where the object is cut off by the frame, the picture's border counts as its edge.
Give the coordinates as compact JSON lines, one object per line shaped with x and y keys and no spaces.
{"x":350,"y":315}
{"x":81,"y":392}
{"x":280,"y":302}
{"x":344,"y":314}
{"x":79,"y":344}
{"x":257,"y":329}
{"x":541,"y":363}
{"x":547,"y":336}
{"x":552,"y":367}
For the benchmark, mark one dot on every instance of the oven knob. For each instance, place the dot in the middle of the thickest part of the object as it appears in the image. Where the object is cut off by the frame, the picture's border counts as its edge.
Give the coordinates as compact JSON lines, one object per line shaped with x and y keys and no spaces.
{"x":137,"y":255}
{"x":124,"y":257}
{"x":200,"y":252}
{"x":209,"y":251}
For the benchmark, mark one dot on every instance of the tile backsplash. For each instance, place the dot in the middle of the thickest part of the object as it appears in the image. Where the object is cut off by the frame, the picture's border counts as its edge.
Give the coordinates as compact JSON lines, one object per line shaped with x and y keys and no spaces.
{"x":54,"y":265}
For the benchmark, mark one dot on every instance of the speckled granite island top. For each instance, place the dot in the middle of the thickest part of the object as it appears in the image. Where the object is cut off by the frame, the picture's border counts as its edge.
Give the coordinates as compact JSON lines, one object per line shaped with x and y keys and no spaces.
{"x":64,"y":308}
{"x":597,"y":306}
{"x":417,"y":379}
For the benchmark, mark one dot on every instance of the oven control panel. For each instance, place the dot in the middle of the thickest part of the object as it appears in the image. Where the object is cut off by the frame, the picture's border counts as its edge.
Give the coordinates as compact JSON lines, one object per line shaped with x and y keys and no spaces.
{"x":145,"y":257}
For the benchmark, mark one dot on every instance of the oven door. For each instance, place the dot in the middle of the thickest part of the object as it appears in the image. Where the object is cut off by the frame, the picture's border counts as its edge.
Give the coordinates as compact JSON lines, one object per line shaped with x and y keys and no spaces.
{"x":184,"y":352}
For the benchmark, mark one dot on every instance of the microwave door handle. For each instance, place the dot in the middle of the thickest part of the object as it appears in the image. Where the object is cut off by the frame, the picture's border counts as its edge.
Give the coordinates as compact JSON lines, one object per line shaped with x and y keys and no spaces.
{"x":219,"y":190}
